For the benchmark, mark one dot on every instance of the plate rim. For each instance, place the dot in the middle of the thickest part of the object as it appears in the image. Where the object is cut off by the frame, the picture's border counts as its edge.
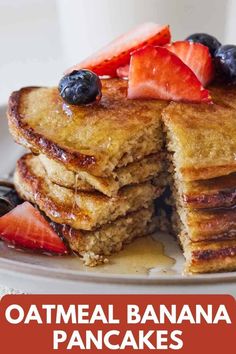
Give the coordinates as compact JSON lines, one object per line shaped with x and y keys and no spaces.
{"x":72,"y":275}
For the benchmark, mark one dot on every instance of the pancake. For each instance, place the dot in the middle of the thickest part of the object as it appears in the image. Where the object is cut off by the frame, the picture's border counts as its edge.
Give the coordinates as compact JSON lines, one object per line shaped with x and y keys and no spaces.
{"x":97,"y":138}
{"x":95,"y":246}
{"x":209,"y":224}
{"x":224,"y":95}
{"x":212,"y":193}
{"x":206,"y":257}
{"x":202,"y":139}
{"x":100,"y":167}
{"x":134,"y":173}
{"x":80,"y":210}
{"x":201,"y":144}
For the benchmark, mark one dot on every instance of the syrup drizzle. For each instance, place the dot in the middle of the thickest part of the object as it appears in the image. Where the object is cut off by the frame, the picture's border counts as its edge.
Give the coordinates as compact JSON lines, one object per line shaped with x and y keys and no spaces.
{"x":74,"y":205}
{"x":142,"y":256}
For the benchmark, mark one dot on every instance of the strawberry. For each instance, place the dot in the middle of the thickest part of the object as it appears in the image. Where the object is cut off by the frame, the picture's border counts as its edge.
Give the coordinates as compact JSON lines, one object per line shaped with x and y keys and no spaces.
{"x":117,"y":54}
{"x":197,"y":57}
{"x":123,"y":72}
{"x":155,"y":72}
{"x":24,"y":226}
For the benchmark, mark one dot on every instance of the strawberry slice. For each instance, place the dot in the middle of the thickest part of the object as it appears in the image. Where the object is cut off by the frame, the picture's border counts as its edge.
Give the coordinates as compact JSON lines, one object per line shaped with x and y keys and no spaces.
{"x":197,"y":57}
{"x":24,"y":226}
{"x":155,"y":72}
{"x":123,"y":72}
{"x":117,"y":54}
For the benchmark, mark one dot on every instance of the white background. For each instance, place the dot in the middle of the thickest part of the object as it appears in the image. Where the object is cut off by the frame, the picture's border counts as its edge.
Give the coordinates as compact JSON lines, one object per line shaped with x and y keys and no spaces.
{"x":31,"y":51}
{"x":40,"y":38}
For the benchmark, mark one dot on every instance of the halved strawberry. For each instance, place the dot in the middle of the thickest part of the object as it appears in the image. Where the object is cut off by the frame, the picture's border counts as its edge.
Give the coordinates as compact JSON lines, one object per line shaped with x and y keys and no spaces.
{"x":24,"y":226}
{"x":123,"y":72}
{"x":197,"y":57}
{"x":117,"y":54}
{"x":155,"y":72}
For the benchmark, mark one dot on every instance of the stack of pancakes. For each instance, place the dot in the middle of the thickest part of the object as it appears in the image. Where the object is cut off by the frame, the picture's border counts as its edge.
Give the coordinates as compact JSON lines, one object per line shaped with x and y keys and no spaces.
{"x":94,"y":170}
{"x":201,"y":140}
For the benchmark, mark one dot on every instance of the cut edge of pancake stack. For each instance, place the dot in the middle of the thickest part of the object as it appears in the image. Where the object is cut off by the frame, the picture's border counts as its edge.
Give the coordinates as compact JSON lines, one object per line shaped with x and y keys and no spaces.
{"x":97,"y":214}
{"x":203,"y":171}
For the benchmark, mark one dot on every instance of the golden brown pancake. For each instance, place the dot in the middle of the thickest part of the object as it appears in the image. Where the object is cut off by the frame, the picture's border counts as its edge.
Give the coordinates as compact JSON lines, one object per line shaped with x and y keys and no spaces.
{"x":96,"y":138}
{"x":202,"y":139}
{"x":210,"y":224}
{"x":134,"y":173}
{"x":211,"y":193}
{"x":95,"y":246}
{"x":79,"y":209}
{"x":224,"y":95}
{"x":206,"y":257}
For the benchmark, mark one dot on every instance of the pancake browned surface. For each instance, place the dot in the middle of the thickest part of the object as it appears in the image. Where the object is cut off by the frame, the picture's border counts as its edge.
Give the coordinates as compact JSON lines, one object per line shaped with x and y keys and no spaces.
{"x":95,"y":246}
{"x":134,"y":173}
{"x":201,"y":140}
{"x":211,"y":193}
{"x":80,"y":210}
{"x":95,"y":138}
{"x":206,"y":257}
{"x":209,"y":224}
{"x":99,"y":167}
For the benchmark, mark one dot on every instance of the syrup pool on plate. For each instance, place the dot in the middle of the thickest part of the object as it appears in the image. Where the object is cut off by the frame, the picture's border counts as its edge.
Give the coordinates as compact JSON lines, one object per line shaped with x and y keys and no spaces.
{"x":139,"y":257}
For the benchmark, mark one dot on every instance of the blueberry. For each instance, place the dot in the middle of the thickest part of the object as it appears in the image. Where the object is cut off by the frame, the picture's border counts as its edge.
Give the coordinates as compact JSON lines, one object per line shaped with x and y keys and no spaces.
{"x":209,"y":41}
{"x":80,"y":87}
{"x":225,"y":59}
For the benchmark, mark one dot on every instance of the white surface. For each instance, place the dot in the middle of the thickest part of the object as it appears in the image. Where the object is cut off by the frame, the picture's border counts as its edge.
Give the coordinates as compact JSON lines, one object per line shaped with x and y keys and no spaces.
{"x":31,"y":50}
{"x":88,"y":25}
{"x":34,"y":273}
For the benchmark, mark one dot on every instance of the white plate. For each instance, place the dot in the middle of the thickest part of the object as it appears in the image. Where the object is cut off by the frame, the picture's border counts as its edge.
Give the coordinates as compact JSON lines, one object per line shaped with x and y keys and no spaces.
{"x":42,"y":274}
